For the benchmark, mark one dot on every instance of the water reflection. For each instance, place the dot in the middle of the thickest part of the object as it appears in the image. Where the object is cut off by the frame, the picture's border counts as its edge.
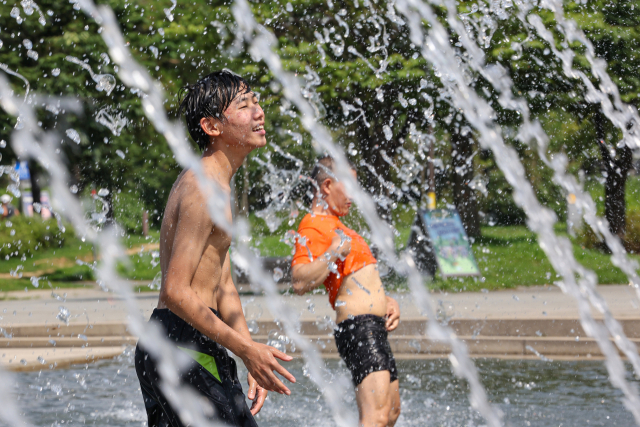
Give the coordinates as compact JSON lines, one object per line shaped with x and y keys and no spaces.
{"x":528,"y":392}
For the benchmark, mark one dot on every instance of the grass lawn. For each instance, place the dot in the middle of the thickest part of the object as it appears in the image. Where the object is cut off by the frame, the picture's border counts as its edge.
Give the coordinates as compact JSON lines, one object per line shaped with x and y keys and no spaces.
{"x":507,"y":257}
{"x":59,"y":267}
{"x":510,"y":257}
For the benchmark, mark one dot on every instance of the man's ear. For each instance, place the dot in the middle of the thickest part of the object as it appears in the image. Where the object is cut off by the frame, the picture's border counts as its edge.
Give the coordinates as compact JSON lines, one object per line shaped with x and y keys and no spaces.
{"x":210,"y":126}
{"x":325,"y":188}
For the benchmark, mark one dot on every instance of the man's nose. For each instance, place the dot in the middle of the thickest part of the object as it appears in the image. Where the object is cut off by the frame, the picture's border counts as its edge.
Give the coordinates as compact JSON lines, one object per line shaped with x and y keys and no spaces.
{"x":259,"y":113}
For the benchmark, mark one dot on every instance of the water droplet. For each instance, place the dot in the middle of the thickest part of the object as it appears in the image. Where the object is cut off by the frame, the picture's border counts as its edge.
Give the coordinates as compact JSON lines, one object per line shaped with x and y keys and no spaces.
{"x":277,"y":274}
{"x":340,"y":303}
{"x":74,"y":189}
{"x":289,"y":7}
{"x":3,"y":143}
{"x":35,"y":281}
{"x":105,"y":82}
{"x":15,"y":12}
{"x":105,"y":58}
{"x":403,"y":101}
{"x":42,"y":21}
{"x":23,"y":361}
{"x":120,"y":154}
{"x":73,"y":135}
{"x":28,"y":6}
{"x":387,"y":132}
{"x":55,"y":72}
{"x":32,"y":54}
{"x":103,"y":192}
{"x":27,"y":43}
{"x":63,"y":315}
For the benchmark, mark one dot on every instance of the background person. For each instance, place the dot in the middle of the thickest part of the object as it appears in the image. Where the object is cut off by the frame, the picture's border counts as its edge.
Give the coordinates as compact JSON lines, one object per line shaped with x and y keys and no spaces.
{"x":8,"y":210}
{"x":364,"y":313}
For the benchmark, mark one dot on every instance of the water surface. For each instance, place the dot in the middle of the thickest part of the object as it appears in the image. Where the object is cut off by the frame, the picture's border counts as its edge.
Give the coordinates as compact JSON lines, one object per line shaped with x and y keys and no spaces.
{"x":530,"y":393}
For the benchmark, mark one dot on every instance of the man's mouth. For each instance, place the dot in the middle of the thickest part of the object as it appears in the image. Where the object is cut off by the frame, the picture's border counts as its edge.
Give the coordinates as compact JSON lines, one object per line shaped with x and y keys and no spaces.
{"x":258,"y":128}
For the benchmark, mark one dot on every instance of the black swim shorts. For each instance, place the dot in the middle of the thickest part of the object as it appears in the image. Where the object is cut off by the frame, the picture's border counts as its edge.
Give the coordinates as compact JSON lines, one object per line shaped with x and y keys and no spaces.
{"x":212,"y":374}
{"x":363,"y":345}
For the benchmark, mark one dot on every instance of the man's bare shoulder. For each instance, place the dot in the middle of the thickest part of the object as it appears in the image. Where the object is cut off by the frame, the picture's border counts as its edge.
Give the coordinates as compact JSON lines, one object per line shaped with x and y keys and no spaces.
{"x":186,"y":197}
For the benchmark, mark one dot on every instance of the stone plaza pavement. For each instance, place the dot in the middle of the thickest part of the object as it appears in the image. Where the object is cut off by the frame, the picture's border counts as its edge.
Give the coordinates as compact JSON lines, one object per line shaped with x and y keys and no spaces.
{"x":534,"y":322}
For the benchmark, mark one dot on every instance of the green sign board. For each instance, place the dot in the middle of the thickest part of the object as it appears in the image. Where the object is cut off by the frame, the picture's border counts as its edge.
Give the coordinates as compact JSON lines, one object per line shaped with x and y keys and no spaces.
{"x":449,"y":242}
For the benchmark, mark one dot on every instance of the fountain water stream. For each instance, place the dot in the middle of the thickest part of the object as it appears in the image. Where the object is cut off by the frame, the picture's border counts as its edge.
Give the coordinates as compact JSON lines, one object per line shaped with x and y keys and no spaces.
{"x":559,"y":251}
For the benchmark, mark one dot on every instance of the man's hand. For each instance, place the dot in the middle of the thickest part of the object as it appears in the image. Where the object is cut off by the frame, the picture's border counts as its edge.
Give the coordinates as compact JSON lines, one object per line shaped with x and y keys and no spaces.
{"x":260,"y":361}
{"x":256,"y":393}
{"x":342,"y":249}
{"x":393,"y":314}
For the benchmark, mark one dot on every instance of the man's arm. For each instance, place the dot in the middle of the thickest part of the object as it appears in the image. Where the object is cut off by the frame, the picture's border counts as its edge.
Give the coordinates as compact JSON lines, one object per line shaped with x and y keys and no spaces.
{"x":306,"y":277}
{"x":193,"y":229}
{"x":393,"y":314}
{"x":230,"y":308}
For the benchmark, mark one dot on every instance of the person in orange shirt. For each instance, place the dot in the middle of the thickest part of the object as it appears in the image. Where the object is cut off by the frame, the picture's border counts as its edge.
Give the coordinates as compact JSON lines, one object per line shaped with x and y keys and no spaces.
{"x":329,"y":253}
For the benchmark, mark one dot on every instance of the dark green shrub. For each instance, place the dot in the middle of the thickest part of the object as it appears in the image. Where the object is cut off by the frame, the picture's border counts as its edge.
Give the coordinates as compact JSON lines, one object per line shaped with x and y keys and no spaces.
{"x":21,"y":235}
{"x":72,"y":274}
{"x":632,"y":236}
{"x":588,"y":239}
{"x":128,"y":209}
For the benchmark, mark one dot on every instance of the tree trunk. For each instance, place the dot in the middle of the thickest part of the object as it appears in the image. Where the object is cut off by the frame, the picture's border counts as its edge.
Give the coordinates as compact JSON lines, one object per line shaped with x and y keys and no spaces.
{"x":463,"y":196}
{"x":34,"y":172}
{"x":616,"y":170}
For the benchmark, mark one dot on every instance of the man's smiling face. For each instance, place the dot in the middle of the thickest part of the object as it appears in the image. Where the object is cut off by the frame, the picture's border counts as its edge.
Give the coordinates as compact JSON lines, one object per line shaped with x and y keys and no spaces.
{"x":244,"y":123}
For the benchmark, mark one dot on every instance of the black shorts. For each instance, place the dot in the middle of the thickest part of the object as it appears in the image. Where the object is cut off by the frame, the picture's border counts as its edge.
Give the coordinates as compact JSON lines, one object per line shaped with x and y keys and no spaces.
{"x":363,"y":345}
{"x":212,"y":374}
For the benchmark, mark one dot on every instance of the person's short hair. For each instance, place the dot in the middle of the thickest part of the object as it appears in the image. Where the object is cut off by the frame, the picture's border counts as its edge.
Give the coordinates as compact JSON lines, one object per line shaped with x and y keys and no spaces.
{"x":209,"y":97}
{"x":324,"y":169}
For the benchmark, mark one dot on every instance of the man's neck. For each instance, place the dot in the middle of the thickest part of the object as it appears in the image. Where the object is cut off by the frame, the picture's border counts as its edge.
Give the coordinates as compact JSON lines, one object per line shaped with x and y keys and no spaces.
{"x":223,"y":162}
{"x":320,"y":207}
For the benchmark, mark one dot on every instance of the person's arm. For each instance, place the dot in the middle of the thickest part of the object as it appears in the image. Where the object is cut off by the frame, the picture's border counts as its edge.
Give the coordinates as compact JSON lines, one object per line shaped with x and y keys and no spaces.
{"x":393,"y":314}
{"x":230,"y":308}
{"x":306,"y":277}
{"x":193,"y":229}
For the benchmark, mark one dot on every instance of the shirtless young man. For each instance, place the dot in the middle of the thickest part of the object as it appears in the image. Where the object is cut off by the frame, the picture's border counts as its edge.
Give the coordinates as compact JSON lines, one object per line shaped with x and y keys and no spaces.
{"x":199,"y":308}
{"x":363,"y":313}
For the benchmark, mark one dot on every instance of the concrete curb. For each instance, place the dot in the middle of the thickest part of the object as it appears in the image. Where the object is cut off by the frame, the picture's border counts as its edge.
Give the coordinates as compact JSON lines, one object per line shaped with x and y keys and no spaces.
{"x":560,"y":339}
{"x":26,"y":359}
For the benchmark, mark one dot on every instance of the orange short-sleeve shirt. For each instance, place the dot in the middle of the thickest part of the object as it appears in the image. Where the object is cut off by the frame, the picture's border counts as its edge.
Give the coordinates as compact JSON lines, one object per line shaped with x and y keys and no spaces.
{"x":318,"y":231}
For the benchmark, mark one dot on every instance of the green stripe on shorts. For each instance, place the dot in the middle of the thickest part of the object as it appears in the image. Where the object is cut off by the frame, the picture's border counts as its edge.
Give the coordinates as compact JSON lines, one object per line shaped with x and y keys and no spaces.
{"x":205,"y":360}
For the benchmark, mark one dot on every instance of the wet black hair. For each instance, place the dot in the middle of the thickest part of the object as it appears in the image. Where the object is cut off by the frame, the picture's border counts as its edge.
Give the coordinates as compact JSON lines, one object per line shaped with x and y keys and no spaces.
{"x":209,"y":97}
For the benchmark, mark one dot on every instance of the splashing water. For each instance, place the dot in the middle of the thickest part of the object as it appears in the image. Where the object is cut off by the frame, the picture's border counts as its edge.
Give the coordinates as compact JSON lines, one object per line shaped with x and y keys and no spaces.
{"x":73,"y":135}
{"x":104,"y":82}
{"x":29,"y":6}
{"x":114,"y":120}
